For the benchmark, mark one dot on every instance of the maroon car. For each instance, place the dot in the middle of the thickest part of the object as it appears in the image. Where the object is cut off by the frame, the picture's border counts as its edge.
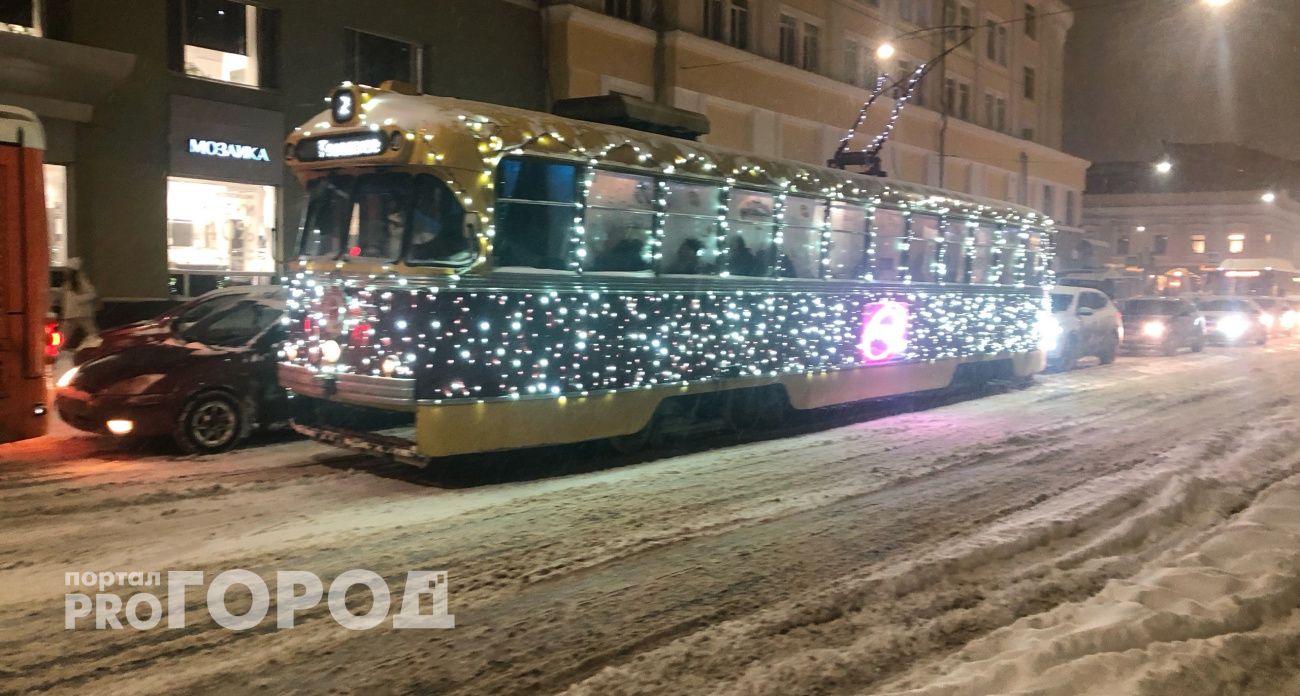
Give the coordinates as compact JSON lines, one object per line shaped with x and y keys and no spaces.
{"x":203,"y":374}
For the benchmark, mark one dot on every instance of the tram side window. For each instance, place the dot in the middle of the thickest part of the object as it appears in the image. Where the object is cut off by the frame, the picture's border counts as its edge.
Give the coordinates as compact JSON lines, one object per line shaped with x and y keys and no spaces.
{"x":847,"y":255}
{"x":1033,"y":250}
{"x":801,"y":238}
{"x":536,"y":201}
{"x":690,"y":234}
{"x":1006,"y":255}
{"x":981,"y":255}
{"x":620,"y":223}
{"x":954,"y":255}
{"x":438,"y":230}
{"x":923,"y":244}
{"x":751,"y":246}
{"x":889,"y":228}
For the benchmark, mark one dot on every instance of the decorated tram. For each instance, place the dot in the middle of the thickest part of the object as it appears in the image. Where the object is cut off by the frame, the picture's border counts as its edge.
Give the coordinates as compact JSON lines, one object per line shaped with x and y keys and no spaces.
{"x":510,"y":279}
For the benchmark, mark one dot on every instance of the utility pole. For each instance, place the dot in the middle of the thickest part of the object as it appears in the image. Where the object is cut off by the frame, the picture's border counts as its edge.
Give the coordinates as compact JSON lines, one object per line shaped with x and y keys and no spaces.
{"x":659,"y":24}
{"x":944,"y":106}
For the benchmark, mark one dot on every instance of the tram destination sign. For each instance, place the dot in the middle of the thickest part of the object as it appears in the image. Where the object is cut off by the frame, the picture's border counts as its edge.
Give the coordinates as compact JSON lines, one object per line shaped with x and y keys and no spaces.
{"x":340,"y":147}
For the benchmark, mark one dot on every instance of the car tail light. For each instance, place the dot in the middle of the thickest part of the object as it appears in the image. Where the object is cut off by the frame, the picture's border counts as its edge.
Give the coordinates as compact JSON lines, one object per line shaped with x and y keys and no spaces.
{"x":53,"y":339}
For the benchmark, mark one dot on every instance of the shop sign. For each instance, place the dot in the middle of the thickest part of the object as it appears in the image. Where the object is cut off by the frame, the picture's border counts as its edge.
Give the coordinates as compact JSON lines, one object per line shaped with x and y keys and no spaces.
{"x":214,"y":148}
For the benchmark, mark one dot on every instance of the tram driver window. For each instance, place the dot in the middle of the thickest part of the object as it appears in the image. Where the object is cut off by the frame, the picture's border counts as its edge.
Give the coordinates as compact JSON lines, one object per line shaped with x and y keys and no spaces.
{"x":439,"y":233}
{"x":889,"y":228}
{"x":536,"y":201}
{"x":801,"y":238}
{"x":751,"y":245}
{"x":379,"y":209}
{"x":690,"y":234}
{"x":619,"y":224}
{"x":847,"y":255}
{"x":923,"y":244}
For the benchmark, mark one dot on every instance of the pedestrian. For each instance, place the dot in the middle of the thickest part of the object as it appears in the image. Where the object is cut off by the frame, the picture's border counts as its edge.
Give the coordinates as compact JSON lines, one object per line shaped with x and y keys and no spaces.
{"x":80,"y":302}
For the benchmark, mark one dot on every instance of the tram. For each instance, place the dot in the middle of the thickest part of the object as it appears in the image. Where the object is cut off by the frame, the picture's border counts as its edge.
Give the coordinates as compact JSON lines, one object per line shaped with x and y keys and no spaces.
{"x":511,"y":279}
{"x":24,"y":277}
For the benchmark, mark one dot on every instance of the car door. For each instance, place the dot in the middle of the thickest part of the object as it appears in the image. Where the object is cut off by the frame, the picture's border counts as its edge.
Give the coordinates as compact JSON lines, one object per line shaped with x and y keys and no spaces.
{"x":1091,"y":319}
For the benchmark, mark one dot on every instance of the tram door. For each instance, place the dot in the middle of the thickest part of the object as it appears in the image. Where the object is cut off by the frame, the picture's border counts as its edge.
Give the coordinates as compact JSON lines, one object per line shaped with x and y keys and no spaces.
{"x":24,"y":278}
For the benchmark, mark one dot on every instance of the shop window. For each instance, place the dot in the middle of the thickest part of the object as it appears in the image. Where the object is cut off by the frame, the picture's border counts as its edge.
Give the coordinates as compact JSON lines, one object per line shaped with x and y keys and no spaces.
{"x":373,"y":59}
{"x":1236,"y":243}
{"x":536,"y":202}
{"x":889,"y":234}
{"x":226,"y":40}
{"x":619,"y":225}
{"x":923,"y":244}
{"x":690,"y":234}
{"x":847,"y":255}
{"x":1198,"y":244}
{"x":220,"y":226}
{"x":20,"y":16}
{"x":56,"y":212}
{"x":801,"y":238}
{"x":751,"y":231}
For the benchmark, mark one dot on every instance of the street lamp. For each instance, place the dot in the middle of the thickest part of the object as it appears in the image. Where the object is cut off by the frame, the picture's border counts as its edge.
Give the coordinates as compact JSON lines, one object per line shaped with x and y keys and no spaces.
{"x":1268,"y":197}
{"x":1164,"y":166}
{"x":1216,"y":3}
{"x":886,"y":51}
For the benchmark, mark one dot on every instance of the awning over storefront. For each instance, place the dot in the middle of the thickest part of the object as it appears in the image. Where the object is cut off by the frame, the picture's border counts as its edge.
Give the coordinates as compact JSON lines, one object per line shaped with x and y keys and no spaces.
{"x":57,"y":79}
{"x":1257,"y":264}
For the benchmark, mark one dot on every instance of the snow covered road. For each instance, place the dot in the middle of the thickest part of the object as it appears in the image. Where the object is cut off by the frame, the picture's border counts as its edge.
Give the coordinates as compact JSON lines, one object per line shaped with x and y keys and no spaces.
{"x":1130,"y":529}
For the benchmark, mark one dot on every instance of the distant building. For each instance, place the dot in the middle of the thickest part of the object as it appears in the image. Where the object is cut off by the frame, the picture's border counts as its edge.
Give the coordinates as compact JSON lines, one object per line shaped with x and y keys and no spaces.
{"x":786,"y":79}
{"x":1222,"y":211}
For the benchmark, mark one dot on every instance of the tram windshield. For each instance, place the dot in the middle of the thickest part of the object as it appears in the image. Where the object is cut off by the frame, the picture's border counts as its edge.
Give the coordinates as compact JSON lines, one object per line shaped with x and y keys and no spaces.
{"x":386,"y":216}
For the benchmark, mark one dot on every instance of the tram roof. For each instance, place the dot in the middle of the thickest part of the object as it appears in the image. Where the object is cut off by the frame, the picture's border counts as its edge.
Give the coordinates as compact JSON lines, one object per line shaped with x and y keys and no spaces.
{"x":496,"y":131}
{"x":14,"y":119}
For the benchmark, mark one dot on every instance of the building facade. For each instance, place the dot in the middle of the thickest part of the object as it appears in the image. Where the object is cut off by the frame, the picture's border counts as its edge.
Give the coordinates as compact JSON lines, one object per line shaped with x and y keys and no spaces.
{"x":167,"y":117}
{"x":786,"y":78}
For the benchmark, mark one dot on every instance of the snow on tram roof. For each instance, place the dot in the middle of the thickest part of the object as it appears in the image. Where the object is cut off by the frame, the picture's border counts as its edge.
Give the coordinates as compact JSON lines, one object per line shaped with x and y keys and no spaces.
{"x":14,"y":119}
{"x":500,"y":131}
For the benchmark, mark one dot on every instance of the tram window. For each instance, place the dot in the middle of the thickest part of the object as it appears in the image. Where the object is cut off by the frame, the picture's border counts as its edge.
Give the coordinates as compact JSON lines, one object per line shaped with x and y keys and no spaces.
{"x":751,"y":245}
{"x":1033,"y":248}
{"x":847,"y":255}
{"x":329,"y":211}
{"x":888,"y":227}
{"x":438,"y":230}
{"x":1006,"y":255}
{"x":801,"y":238}
{"x":536,"y":201}
{"x":690,"y":234}
{"x":379,"y":208}
{"x":923,"y":243}
{"x":981,"y":255}
{"x":954,"y":256}
{"x":620,"y":222}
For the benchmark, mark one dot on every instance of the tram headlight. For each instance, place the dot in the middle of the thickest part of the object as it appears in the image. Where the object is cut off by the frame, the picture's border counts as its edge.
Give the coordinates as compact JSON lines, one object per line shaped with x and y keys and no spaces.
{"x":330,"y":352}
{"x":290,"y":351}
{"x":1154,"y":329}
{"x":1049,"y":332}
{"x":389,"y":365}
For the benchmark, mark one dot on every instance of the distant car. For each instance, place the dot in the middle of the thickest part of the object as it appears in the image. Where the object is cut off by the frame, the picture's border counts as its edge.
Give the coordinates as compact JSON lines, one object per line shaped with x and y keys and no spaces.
{"x":1089,"y":324}
{"x":167,"y":324}
{"x":205,"y":381}
{"x":1233,"y":320}
{"x":1165,"y":324}
{"x":1279,"y":315}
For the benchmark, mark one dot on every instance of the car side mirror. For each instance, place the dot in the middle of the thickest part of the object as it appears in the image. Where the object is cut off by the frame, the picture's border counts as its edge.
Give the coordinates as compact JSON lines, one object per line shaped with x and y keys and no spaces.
{"x":1085,"y":312}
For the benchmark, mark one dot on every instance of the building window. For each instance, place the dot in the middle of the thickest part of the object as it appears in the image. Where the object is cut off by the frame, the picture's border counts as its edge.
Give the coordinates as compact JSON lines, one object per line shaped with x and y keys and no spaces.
{"x":914,"y":11}
{"x":714,"y":20}
{"x":373,"y":59}
{"x":223,"y":41}
{"x":1031,"y":21}
{"x":788,"y":41}
{"x":1027,"y":133}
{"x":624,"y":9}
{"x":20,"y":17}
{"x":995,"y":112}
{"x":1198,"y":244}
{"x":905,"y":70}
{"x":220,"y":226}
{"x":852,"y":62}
{"x":996,"y":42}
{"x":1160,"y":245}
{"x":811,"y":47}
{"x":1236,"y":243}
{"x":1049,"y":200}
{"x":740,"y":24}
{"x":1031,"y":78}
{"x":957,"y":93}
{"x":1071,"y":204}
{"x":56,"y":212}
{"x":956,"y":16}
{"x":1122,"y":245}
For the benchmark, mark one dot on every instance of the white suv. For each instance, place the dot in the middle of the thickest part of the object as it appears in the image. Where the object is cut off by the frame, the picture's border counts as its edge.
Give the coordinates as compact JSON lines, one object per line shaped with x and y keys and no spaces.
{"x":1090,"y":324}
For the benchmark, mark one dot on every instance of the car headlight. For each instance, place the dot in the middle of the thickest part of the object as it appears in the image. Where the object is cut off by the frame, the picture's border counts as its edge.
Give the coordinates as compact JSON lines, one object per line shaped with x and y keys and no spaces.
{"x":1049,"y":332}
{"x":1288,"y":319}
{"x":1154,"y":329}
{"x":1266,"y":319}
{"x":1233,"y":326}
{"x":138,"y":384}
{"x":67,"y":378}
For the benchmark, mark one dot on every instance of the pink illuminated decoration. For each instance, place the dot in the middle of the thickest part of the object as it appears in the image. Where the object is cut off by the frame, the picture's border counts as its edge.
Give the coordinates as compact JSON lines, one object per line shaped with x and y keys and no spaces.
{"x":884,"y":331}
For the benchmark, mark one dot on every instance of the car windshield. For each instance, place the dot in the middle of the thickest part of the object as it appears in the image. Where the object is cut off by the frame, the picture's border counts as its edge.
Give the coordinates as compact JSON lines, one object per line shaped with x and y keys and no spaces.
{"x":233,"y":326}
{"x":1225,"y":306}
{"x":1147,"y":308}
{"x":194,"y":312}
{"x":386,"y":216}
{"x":1061,"y":301}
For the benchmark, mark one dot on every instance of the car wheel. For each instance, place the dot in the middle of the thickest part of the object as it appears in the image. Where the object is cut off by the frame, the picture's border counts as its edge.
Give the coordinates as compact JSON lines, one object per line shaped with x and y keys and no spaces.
{"x":1069,"y":354}
{"x":1169,"y":347}
{"x":210,"y":423}
{"x":1198,"y":344}
{"x":1107,"y":354}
